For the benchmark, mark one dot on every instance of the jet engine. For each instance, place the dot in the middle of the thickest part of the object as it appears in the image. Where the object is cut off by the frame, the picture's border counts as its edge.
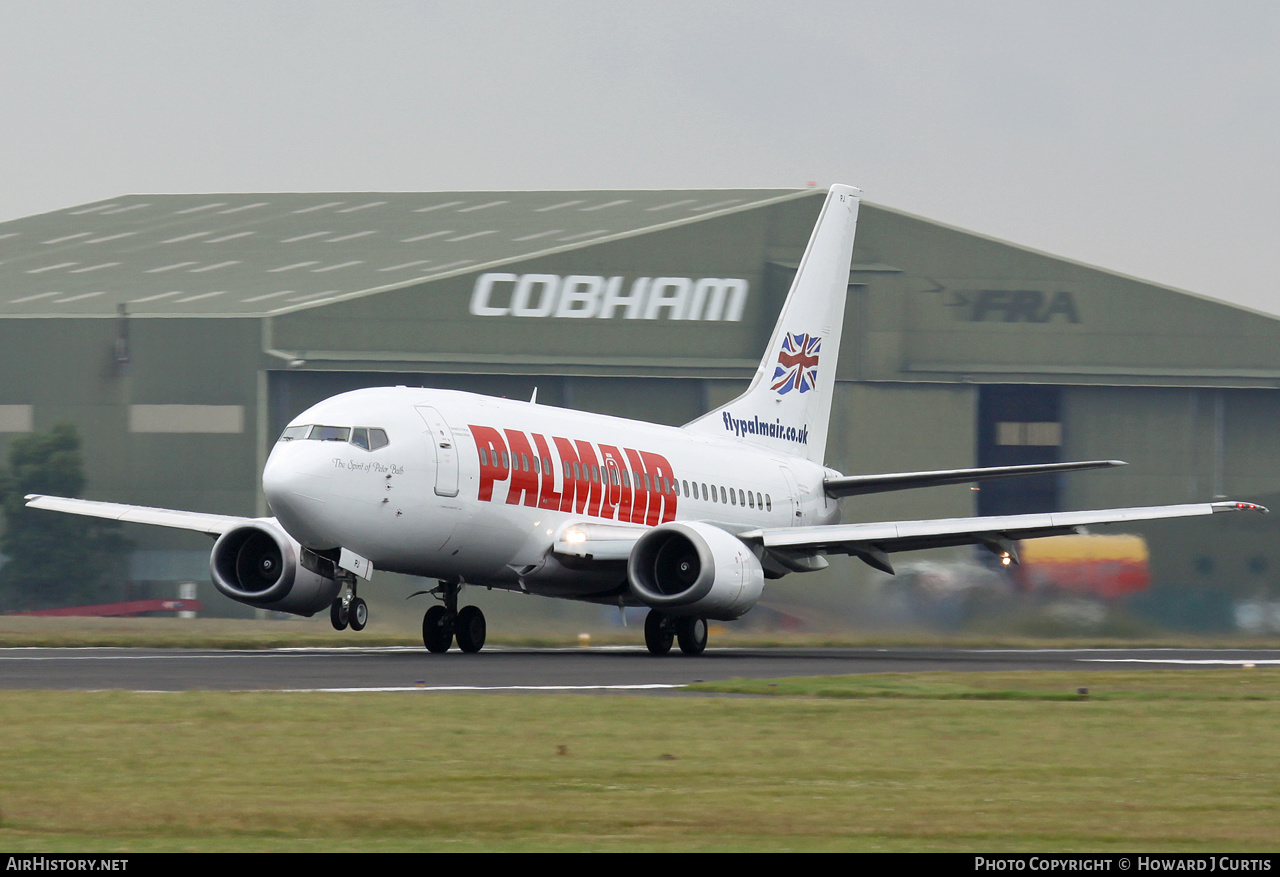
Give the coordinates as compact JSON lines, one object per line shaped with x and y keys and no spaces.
{"x":259,"y":564}
{"x":693,"y":568}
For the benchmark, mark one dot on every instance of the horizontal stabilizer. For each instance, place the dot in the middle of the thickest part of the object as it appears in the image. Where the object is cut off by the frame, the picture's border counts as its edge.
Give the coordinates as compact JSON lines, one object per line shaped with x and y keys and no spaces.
{"x":856,"y":485}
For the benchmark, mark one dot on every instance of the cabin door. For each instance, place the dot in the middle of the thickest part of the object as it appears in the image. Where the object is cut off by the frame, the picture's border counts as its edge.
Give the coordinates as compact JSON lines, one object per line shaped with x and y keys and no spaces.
{"x":441,"y":437}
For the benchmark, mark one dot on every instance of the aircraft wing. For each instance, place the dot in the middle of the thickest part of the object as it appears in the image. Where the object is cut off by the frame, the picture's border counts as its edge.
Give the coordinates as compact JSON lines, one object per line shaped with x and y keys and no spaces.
{"x":590,"y":541}
{"x":214,"y":525}
{"x":856,"y":485}
{"x":873,"y":542}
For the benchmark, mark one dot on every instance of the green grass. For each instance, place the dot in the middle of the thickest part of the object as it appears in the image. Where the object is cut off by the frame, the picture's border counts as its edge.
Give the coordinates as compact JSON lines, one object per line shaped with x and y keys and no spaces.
{"x":1134,"y":685}
{"x":402,"y":629}
{"x":1156,"y":760}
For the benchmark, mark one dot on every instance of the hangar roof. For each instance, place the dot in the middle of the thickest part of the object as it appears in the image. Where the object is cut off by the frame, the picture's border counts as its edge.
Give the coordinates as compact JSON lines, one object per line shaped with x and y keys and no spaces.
{"x":262,"y":254}
{"x":353,"y":278}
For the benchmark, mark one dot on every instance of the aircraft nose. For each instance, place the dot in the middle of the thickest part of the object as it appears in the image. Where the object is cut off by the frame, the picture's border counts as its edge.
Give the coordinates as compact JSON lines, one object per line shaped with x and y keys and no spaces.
{"x":295,"y":481}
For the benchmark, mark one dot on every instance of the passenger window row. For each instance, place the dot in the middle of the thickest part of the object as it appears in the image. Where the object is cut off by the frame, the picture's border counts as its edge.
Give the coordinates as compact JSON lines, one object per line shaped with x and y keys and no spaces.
{"x":624,"y":478}
{"x":731,"y":496}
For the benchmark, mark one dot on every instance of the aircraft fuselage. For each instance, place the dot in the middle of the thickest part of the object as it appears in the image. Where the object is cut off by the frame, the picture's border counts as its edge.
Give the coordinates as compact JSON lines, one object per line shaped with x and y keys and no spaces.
{"x":479,"y":488}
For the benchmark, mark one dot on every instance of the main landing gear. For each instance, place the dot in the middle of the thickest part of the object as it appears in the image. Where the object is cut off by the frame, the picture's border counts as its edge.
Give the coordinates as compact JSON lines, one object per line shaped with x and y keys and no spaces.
{"x":661,"y":631}
{"x":348,"y":610}
{"x":443,"y":624}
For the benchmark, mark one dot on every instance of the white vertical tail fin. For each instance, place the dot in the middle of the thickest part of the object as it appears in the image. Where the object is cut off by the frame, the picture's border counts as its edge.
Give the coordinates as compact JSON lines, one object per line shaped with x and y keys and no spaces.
{"x":788,"y":405}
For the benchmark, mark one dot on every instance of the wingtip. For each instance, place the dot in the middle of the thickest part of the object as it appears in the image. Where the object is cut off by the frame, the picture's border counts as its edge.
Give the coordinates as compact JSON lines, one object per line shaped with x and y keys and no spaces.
{"x":1234,"y":506}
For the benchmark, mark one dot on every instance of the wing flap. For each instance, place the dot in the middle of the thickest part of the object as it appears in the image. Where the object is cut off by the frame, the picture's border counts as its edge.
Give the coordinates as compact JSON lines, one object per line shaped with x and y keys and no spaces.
{"x":858,"y":485}
{"x":214,"y":525}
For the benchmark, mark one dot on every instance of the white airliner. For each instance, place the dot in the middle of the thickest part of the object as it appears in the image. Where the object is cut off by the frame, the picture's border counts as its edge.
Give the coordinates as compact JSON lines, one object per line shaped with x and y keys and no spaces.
{"x":688,"y":521}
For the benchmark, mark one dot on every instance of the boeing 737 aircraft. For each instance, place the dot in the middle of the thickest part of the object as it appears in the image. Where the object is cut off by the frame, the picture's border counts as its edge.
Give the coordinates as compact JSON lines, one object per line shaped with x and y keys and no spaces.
{"x":687,"y":521}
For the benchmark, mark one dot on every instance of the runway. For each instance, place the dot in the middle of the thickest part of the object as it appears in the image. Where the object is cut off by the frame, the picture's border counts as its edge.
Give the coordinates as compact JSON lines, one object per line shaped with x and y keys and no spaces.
{"x":620,"y":670}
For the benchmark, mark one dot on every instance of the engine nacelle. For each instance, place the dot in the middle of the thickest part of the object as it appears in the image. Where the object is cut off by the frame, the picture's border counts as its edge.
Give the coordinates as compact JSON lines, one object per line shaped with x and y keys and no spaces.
{"x":692,"y":568}
{"x":259,"y":564}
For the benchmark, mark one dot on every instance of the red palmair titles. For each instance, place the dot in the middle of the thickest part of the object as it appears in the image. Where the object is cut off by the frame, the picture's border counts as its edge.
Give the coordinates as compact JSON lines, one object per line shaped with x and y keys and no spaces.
{"x":602,"y":481}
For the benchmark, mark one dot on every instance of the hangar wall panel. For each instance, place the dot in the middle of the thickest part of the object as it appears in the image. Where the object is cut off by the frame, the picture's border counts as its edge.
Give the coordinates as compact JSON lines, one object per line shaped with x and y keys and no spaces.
{"x":17,"y":418}
{"x":900,"y":428}
{"x":1181,"y":444}
{"x":186,"y":418}
{"x":979,"y":307}
{"x":69,"y":371}
{"x":1184,"y":445}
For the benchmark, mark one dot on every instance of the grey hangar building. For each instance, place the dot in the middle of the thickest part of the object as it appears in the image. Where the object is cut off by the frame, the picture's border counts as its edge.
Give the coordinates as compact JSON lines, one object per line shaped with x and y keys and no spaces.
{"x":180,"y":333}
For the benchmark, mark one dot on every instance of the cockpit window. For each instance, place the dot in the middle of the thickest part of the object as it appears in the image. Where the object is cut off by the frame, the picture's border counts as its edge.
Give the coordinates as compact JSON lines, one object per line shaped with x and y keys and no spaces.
{"x":330,"y":433}
{"x":369,"y":438}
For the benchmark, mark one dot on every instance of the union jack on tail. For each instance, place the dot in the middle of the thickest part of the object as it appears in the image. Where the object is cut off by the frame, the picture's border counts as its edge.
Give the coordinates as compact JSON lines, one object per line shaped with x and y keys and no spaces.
{"x":797,"y":367}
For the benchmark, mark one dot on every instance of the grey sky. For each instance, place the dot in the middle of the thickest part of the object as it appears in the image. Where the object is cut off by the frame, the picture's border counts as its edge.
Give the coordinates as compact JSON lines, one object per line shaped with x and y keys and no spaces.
{"x":1142,"y":137}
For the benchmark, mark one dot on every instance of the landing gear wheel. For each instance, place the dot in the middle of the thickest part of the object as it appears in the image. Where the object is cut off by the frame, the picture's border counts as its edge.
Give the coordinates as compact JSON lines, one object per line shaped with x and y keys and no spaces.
{"x":470,"y":629}
{"x":658,"y":634}
{"x":437,"y":629}
{"x":692,"y":633}
{"x":358,"y":614}
{"x":338,"y":615}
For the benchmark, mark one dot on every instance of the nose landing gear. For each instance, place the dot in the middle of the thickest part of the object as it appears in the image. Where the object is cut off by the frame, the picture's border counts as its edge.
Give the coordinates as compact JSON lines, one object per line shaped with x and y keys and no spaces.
{"x":348,"y":610}
{"x":358,"y":614}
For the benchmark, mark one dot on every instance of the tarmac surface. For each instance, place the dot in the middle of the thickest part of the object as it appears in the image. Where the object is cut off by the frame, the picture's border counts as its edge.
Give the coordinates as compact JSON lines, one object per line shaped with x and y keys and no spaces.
{"x":496,"y":669}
